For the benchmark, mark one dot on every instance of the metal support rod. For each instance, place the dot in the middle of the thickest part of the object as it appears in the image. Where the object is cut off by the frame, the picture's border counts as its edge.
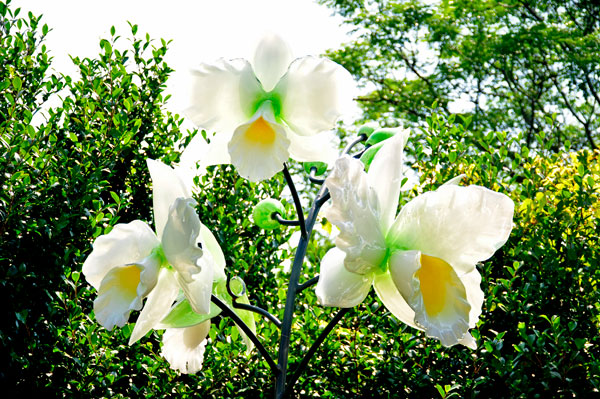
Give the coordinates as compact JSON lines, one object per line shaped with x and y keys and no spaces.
{"x":227,"y":311}
{"x":284,"y":222}
{"x":290,"y":183}
{"x":260,"y":311}
{"x":307,"y":284}
{"x":313,"y":349}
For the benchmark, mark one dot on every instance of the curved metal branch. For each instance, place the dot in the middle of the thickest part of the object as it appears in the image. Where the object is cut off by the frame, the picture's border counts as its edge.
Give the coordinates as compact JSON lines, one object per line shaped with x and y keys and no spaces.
{"x":360,"y":138}
{"x":284,"y":222}
{"x":307,"y":284}
{"x":313,"y":176}
{"x":313,"y":349}
{"x":236,"y":319}
{"x":290,"y":182}
{"x":258,"y":310}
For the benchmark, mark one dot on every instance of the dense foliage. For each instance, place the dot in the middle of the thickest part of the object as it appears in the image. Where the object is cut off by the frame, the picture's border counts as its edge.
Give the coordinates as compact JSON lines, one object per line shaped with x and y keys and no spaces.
{"x":78,"y":172}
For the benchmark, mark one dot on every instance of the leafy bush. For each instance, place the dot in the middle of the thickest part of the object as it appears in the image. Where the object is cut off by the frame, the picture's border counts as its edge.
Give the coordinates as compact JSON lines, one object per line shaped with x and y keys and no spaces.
{"x":71,"y":178}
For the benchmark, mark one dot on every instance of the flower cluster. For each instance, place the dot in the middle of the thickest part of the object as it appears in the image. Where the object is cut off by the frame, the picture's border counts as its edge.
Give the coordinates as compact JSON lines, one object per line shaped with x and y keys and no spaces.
{"x":420,"y":260}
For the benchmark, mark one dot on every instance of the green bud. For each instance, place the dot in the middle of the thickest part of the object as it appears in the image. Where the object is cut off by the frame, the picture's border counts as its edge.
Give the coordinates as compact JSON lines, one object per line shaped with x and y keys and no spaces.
{"x":321,"y":167}
{"x":367,"y":157}
{"x":263,"y":211}
{"x":379,"y":135}
{"x":366,"y":130}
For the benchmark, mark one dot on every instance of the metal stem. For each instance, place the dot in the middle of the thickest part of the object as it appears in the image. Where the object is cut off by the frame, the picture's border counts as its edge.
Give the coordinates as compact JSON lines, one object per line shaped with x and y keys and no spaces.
{"x":313,"y":349}
{"x":258,"y":310}
{"x":290,"y":183}
{"x":227,"y":311}
{"x":283,"y":221}
{"x":309,"y":283}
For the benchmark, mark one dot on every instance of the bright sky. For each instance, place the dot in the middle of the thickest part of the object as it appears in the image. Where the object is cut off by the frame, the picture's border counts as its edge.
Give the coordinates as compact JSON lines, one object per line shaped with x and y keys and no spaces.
{"x":201,"y":30}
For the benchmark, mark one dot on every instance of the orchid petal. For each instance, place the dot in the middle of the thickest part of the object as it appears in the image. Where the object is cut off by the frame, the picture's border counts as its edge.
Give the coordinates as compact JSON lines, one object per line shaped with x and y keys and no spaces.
{"x":125,"y":244}
{"x":180,"y":238}
{"x":122,"y":290}
{"x":167,"y":186}
{"x":210,"y":243}
{"x":184,"y":347}
{"x":314,"y":92}
{"x":259,"y":147}
{"x":198,"y":287}
{"x":392,"y":299}
{"x":386,"y":174}
{"x":320,"y":147}
{"x":355,"y":211}
{"x":157,"y":305}
{"x":462,"y":225}
{"x":223,"y":95}
{"x":433,"y":290}
{"x":271,"y":60}
{"x":339,"y":287}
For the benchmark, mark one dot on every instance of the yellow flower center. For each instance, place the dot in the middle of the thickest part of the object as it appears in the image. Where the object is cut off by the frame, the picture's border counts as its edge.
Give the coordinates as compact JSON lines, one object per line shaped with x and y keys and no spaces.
{"x":434,"y":276}
{"x":129,"y":278}
{"x":260,"y":132}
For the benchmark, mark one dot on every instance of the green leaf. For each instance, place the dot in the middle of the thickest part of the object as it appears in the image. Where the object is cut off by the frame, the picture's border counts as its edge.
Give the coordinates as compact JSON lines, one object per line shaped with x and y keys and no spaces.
{"x":17,"y":83}
{"x":182,"y":315}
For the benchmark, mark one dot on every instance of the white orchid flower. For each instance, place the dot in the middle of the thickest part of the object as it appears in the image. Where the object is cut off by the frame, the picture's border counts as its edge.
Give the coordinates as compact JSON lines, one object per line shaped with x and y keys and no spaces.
{"x":184,"y":347}
{"x":268,"y":110}
{"x":133,"y":262}
{"x":422,"y":262}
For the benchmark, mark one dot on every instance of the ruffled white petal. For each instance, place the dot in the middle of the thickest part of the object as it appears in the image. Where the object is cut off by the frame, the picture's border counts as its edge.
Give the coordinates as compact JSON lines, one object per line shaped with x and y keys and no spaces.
{"x":392,"y":299}
{"x":337,"y":286}
{"x":472,"y":283}
{"x":199,"y":154}
{"x":386,"y":174}
{"x":355,"y":211}
{"x":435,"y":293}
{"x":123,"y":289}
{"x":157,"y":306}
{"x":198,"y":287}
{"x":462,"y":225}
{"x":272,"y":58}
{"x":167,"y":186}
{"x":314,"y":92}
{"x":259,"y":147}
{"x":180,"y":238}
{"x":184,"y":347}
{"x":321,"y":147}
{"x":223,"y":95}
{"x":125,"y":244}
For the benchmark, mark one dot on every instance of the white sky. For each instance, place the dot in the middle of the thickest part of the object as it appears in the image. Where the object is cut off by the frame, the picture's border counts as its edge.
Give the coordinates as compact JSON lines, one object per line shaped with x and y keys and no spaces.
{"x":201,"y":30}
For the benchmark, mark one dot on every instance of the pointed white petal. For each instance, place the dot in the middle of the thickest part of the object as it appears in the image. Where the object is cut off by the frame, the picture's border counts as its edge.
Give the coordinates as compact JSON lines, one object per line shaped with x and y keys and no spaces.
{"x":167,"y":186}
{"x":355,"y":211}
{"x":462,"y":225}
{"x":468,"y":341}
{"x":184,"y":347}
{"x":271,"y":60}
{"x":157,"y":305}
{"x":314,"y":92}
{"x":198,"y":288}
{"x":223,"y":95}
{"x":392,"y":299}
{"x":122,"y":290}
{"x":180,"y":238}
{"x":199,"y":154}
{"x":210,"y":244}
{"x":432,"y":289}
{"x":321,"y":147}
{"x":337,"y":286}
{"x":386,"y":174}
{"x":259,"y":147}
{"x":455,"y":180}
{"x":125,"y":244}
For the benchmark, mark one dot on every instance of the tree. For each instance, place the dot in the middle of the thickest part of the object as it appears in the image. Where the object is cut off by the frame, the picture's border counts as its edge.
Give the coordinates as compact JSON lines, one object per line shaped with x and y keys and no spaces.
{"x":519,"y":62}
